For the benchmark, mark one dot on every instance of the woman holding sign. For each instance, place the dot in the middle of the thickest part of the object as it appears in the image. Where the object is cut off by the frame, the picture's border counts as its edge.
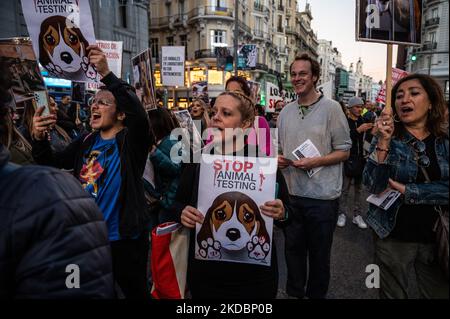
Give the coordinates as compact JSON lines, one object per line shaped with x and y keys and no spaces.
{"x":410,"y":155}
{"x":208,"y":278}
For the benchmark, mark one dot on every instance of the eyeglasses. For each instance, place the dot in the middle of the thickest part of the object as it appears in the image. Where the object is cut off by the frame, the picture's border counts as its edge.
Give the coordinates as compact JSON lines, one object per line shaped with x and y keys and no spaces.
{"x":422,"y":159}
{"x":100,"y":102}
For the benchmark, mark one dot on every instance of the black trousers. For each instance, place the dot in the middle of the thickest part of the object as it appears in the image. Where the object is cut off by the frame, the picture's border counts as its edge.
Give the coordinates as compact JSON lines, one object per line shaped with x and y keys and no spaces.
{"x":130,"y":257}
{"x":309,"y":237}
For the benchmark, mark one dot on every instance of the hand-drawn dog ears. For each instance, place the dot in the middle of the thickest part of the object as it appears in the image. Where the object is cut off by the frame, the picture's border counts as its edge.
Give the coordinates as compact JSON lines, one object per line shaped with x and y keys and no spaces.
{"x":206,"y":229}
{"x":57,"y":22}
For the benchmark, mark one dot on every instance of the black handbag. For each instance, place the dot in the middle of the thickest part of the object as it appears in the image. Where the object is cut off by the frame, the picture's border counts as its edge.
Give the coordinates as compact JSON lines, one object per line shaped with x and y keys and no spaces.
{"x":441,"y":230}
{"x":354,"y":166}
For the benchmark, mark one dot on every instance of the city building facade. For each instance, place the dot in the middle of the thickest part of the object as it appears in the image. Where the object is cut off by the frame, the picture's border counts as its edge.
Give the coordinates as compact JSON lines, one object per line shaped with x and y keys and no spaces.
{"x":114,"y":20}
{"x":274,"y":26}
{"x":330,"y":59}
{"x":432,"y":57}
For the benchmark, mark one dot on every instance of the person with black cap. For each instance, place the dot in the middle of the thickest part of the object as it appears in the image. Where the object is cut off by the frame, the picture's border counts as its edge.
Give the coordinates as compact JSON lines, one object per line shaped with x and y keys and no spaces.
{"x":354,"y":166}
{"x":110,"y":163}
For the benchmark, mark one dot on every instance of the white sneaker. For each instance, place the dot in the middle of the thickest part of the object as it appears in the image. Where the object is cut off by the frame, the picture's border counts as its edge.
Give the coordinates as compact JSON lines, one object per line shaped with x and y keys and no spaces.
{"x":341,"y":220}
{"x":358,"y":220}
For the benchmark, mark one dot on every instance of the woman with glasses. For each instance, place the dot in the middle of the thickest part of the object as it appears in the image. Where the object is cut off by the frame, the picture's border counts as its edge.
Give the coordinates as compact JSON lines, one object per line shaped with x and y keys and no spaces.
{"x":410,"y":155}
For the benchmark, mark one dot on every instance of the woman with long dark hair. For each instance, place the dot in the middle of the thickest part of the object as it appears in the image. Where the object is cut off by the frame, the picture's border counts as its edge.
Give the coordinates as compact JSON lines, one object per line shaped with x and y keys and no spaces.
{"x":167,"y":169}
{"x":410,"y":155}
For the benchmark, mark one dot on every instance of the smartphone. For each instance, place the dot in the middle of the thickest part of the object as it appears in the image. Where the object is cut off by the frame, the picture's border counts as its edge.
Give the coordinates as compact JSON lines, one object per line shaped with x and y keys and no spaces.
{"x":41,"y":99}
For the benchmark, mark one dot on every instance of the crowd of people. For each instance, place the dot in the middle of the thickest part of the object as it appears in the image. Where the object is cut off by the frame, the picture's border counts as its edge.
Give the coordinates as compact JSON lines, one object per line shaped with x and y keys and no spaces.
{"x":86,"y":187}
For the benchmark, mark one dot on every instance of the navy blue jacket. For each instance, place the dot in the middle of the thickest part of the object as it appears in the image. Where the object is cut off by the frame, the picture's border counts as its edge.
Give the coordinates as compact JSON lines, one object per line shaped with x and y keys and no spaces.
{"x":49,"y":222}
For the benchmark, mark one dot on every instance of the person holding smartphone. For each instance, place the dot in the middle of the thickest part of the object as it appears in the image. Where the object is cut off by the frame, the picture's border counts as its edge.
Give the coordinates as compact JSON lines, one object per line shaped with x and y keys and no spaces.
{"x":109,"y":163}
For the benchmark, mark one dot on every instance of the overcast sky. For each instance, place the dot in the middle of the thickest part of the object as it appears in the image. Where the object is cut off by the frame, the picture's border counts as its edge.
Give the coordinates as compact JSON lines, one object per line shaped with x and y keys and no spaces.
{"x":334,"y":20}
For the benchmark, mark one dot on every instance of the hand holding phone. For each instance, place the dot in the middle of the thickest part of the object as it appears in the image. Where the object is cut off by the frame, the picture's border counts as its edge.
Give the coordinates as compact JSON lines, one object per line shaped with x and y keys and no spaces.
{"x":42,"y":124}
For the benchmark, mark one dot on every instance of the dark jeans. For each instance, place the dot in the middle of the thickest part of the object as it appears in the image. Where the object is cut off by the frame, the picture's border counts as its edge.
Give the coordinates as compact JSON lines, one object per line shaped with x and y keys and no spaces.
{"x":309,"y":236}
{"x":130,"y":258}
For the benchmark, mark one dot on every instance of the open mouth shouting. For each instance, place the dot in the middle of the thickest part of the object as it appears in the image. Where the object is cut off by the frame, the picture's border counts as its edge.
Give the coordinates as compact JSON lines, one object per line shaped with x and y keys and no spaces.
{"x":95,"y":118}
{"x":406,"y":110}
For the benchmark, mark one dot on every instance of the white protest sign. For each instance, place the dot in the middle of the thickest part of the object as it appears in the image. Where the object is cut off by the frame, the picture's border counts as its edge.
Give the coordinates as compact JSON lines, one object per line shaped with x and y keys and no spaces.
{"x":273,"y":95}
{"x":172,"y":66}
{"x":113,"y":51}
{"x":397,"y":74}
{"x":60,"y":32}
{"x":231,"y":190}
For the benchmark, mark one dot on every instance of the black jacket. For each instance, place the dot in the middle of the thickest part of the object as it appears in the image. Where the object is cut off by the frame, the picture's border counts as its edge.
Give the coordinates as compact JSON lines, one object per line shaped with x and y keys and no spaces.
{"x":47,"y":223}
{"x":133,"y":148}
{"x":222,"y":279}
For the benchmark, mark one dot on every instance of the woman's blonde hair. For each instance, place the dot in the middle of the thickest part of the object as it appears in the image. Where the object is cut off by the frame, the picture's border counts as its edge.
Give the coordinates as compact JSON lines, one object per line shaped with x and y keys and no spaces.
{"x":246,"y":106}
{"x":204,"y":106}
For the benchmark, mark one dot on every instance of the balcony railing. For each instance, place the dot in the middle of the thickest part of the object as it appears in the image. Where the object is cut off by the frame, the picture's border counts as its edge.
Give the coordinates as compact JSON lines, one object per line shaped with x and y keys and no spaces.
{"x":432,"y":22}
{"x":280,"y":29}
{"x":204,"y":54}
{"x":244,"y":27}
{"x":214,"y":11}
{"x":428,"y":46}
{"x":262,"y":67}
{"x":281,"y":50}
{"x":261,"y":34}
{"x":159,"y":22}
{"x":260,"y":7}
{"x":291,"y":30}
{"x":280,"y":7}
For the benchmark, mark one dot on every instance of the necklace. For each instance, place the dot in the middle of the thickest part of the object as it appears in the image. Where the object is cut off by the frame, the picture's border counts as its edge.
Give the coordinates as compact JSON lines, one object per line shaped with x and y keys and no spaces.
{"x":304,"y":108}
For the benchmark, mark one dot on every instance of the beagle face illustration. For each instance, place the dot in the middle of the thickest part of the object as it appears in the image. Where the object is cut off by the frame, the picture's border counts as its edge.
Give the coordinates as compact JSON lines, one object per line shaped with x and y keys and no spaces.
{"x":233,"y":220}
{"x":62,"y":47}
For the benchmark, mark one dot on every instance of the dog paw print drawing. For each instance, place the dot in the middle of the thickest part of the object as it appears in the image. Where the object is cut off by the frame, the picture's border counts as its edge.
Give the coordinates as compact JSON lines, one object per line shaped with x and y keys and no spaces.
{"x":233,"y":228}
{"x":62,"y":49}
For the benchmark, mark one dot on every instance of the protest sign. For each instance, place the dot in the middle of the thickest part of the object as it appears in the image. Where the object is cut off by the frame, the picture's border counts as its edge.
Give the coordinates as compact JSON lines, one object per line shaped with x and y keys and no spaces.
{"x":78,"y":91}
{"x":255,"y":89}
{"x":222,"y":53}
{"x":200,"y":90}
{"x":143,"y":79}
{"x":389,"y":21}
{"x":397,"y":74}
{"x":188,"y":125}
{"x":113,"y":51}
{"x":26,"y":78}
{"x":273,"y":95}
{"x":247,"y":56}
{"x":60,"y":32}
{"x":172,"y":66}
{"x":231,"y":190}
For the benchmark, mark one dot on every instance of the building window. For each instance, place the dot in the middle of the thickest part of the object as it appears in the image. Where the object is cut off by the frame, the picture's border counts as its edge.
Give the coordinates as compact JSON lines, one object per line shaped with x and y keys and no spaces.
{"x":169,"y":41}
{"x":280,"y":24}
{"x":218,"y":39}
{"x":123,"y":13}
{"x":258,"y":24}
{"x":181,"y":7}
{"x":219,"y":3}
{"x":278,"y":66}
{"x":435,"y":13}
{"x":183,"y":42}
{"x":154,"y":44}
{"x":432,"y":37}
{"x":169,"y":9}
